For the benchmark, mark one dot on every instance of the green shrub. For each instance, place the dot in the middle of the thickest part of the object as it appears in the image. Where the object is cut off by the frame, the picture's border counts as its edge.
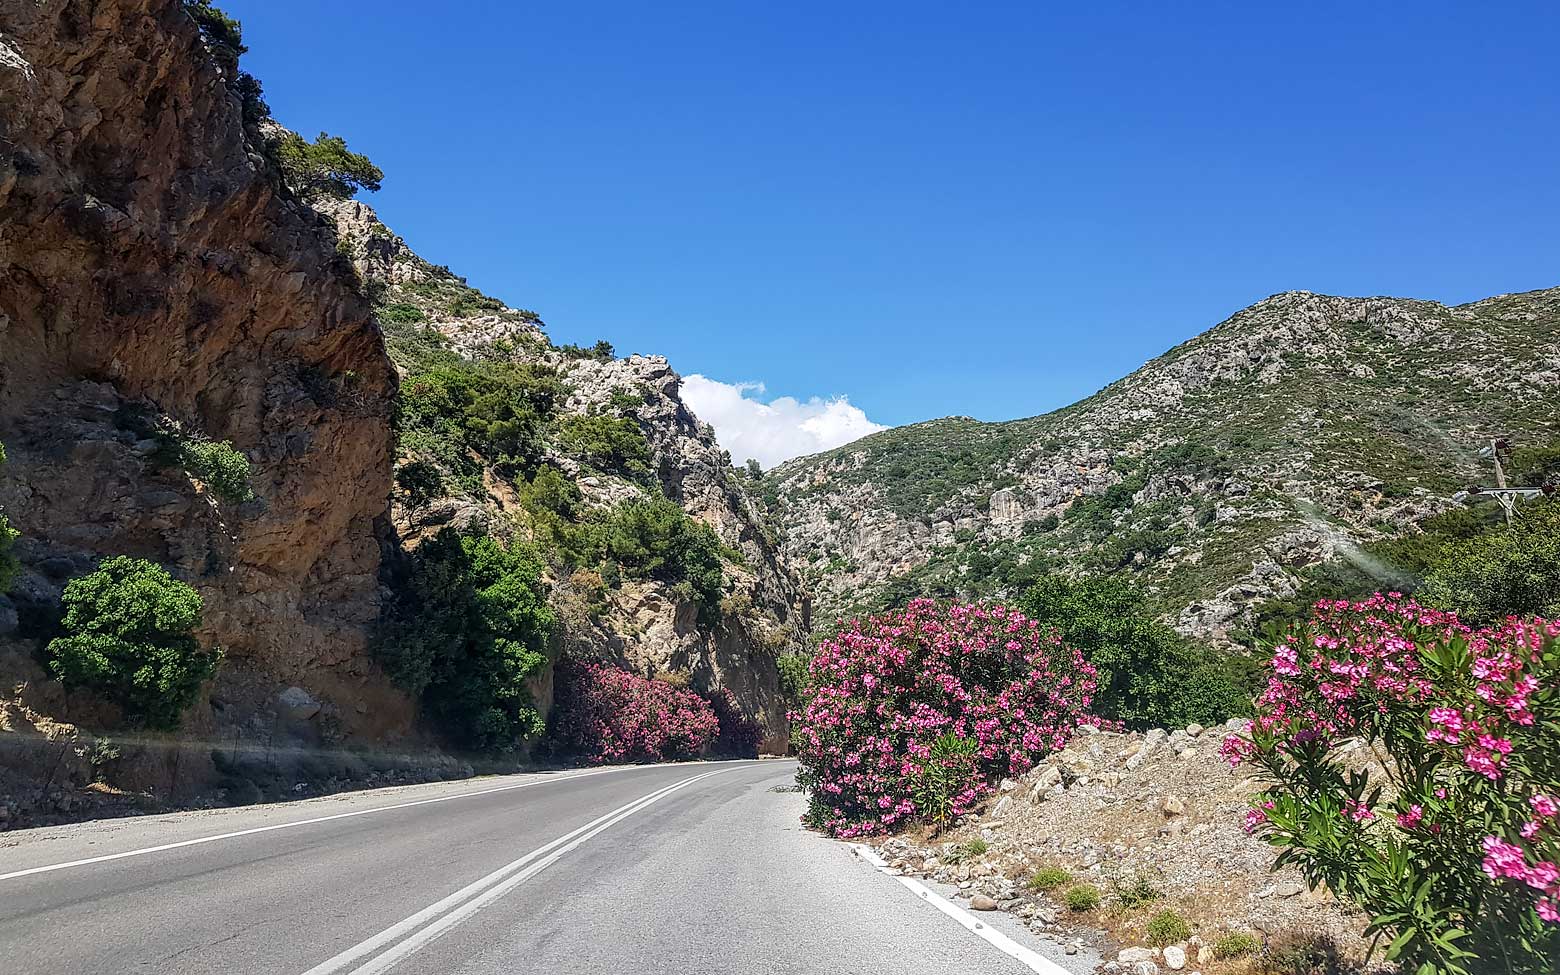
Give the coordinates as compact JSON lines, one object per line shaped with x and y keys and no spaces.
{"x":1511,"y":571}
{"x":420,"y":481}
{"x":602,"y":350}
{"x":470,"y":624}
{"x":1082,"y":897}
{"x":793,"y":675}
{"x":1303,"y":953}
{"x":946,"y":774}
{"x":1134,"y":891}
{"x":220,"y":465}
{"x":400,"y":313}
{"x":1049,"y":878}
{"x":614,"y":444}
{"x":130,"y":637}
{"x":973,"y":848}
{"x":463,"y":414}
{"x":1148,"y":674}
{"x":655,"y":538}
{"x":1167,"y":928}
{"x":324,"y":167}
{"x":1236,"y":944}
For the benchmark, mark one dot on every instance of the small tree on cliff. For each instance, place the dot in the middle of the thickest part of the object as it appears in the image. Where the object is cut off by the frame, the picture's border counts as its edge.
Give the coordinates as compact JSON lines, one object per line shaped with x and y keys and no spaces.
{"x":324,"y":167}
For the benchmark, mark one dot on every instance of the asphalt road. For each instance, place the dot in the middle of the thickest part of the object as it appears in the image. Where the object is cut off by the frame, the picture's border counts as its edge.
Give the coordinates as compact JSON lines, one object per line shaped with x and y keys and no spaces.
{"x":687,"y":868}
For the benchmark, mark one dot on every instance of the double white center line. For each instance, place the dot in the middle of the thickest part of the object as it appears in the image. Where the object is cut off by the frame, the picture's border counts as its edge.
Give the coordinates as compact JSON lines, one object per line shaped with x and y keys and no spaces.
{"x":395,"y":943}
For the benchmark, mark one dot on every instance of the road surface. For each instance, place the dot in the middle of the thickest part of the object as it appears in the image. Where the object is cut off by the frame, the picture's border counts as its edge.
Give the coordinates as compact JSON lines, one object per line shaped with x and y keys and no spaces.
{"x":686,"y":868}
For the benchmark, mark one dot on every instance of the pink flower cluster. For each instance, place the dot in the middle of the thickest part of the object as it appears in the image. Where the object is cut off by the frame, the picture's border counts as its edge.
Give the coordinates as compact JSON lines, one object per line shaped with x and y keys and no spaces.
{"x":1356,"y":662}
{"x":605,"y":714}
{"x":1461,"y":711}
{"x":887,"y":688}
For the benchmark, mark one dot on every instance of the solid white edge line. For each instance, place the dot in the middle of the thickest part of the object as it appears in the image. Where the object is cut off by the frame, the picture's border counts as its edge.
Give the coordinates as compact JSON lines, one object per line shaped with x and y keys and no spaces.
{"x":87,"y":861}
{"x":1026,"y":956}
{"x":460,"y":905}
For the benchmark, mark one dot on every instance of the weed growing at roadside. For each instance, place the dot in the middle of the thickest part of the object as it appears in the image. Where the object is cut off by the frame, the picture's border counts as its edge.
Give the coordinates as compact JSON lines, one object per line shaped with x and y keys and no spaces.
{"x":1167,"y":928}
{"x":1049,"y":878}
{"x":1236,"y":944}
{"x":1082,"y":897}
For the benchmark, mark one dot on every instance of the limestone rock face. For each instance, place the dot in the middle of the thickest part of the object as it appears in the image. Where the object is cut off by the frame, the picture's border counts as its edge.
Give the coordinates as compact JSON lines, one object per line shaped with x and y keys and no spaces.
{"x":640,"y":624}
{"x":149,"y":267}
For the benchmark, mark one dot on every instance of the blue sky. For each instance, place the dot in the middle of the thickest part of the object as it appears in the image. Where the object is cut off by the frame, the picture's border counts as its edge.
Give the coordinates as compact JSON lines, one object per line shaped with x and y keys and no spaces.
{"x":987,"y":209}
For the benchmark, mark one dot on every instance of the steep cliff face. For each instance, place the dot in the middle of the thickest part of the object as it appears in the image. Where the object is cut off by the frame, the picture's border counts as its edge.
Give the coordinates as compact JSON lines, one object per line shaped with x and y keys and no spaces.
{"x":1296,"y":429}
{"x":151,"y":274}
{"x":647,"y":625}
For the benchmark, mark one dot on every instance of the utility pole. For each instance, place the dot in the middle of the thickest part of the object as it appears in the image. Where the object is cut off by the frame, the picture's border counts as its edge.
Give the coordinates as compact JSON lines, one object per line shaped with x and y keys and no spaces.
{"x":1501,"y":492}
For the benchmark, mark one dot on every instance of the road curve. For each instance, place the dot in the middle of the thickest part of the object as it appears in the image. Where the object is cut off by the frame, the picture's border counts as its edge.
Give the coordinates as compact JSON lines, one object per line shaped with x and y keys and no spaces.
{"x":685,"y":868}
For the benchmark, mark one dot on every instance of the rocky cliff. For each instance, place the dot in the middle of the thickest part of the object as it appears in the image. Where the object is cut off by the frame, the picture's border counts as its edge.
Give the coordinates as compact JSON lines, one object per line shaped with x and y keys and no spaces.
{"x":647,"y":625}
{"x":155,"y":282}
{"x":1293,"y":431}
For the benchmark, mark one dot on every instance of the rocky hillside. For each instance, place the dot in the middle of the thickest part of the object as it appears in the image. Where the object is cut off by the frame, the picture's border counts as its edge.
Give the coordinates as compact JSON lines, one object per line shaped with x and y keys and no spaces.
{"x":200,"y":369}
{"x":157,"y":290}
{"x":1152,"y":823}
{"x":1293,"y":431}
{"x":620,"y":434}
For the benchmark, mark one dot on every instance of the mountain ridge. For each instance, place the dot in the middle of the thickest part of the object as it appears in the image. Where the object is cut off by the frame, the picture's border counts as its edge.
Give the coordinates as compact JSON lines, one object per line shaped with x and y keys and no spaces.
{"x":1255,"y":410}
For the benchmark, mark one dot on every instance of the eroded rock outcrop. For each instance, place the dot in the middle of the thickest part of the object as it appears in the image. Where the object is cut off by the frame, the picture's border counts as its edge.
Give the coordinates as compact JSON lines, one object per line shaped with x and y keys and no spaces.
{"x":642,"y":624}
{"x":151,"y":268}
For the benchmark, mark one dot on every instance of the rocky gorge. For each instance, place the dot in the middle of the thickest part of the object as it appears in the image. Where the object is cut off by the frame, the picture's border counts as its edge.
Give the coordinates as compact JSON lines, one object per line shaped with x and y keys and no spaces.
{"x":163,"y":288}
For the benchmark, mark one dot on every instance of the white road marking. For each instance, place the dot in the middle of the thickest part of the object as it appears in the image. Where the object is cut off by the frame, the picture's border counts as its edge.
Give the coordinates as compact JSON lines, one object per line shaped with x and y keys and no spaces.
{"x":1025,"y":956}
{"x":306,"y":822}
{"x":459,"y":906}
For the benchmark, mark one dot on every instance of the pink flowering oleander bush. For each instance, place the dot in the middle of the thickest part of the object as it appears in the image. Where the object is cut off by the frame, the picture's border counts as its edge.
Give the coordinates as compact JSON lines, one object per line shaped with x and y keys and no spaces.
{"x":1455,"y":852}
{"x":914,"y":714}
{"x":604,"y":714}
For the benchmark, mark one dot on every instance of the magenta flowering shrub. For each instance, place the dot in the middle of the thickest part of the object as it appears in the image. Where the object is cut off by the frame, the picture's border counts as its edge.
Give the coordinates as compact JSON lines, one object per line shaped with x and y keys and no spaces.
{"x":604,"y":714}
{"x":1455,"y":853}
{"x":739,"y":735}
{"x":915,"y":713}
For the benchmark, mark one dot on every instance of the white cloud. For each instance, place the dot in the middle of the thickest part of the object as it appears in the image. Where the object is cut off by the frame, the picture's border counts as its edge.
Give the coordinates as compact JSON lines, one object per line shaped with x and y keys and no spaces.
{"x":773,"y":432}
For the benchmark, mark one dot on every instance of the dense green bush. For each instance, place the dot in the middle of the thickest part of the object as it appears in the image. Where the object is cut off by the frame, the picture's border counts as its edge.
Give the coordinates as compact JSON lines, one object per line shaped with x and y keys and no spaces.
{"x":1148,"y":674}
{"x":469,"y":626}
{"x":793,"y":675}
{"x":614,"y":444}
{"x":656,"y":538}
{"x":1167,"y":928}
{"x":1049,"y":878}
{"x":400,"y":313}
{"x":1236,"y":944}
{"x":602,"y":351}
{"x":1082,"y":897}
{"x":1512,"y":571}
{"x":464,"y":414}
{"x":419,"y":481}
{"x":324,"y":167}
{"x":223,"y":468}
{"x":646,"y":538}
{"x":130,"y":637}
